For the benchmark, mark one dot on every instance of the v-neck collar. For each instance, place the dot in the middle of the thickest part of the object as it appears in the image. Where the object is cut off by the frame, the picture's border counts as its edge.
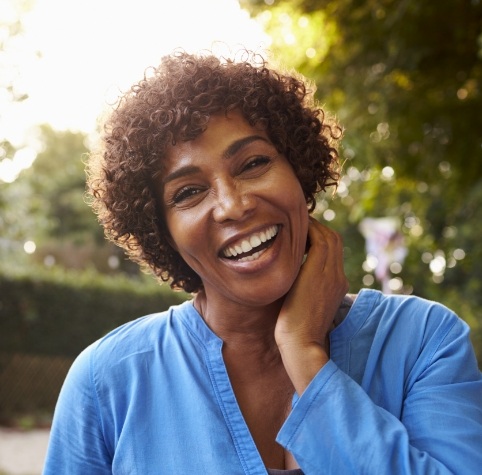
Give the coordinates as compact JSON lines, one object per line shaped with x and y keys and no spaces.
{"x":212,"y":344}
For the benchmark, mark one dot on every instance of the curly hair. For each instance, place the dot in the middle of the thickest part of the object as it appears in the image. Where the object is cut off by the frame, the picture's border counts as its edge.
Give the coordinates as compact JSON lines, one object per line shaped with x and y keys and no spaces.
{"x":173,"y":103}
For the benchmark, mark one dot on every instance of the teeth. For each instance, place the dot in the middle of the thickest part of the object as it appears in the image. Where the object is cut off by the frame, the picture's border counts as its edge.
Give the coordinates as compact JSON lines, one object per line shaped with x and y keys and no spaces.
{"x":252,"y":257}
{"x":250,"y":243}
{"x":255,"y":241}
{"x":246,"y":246}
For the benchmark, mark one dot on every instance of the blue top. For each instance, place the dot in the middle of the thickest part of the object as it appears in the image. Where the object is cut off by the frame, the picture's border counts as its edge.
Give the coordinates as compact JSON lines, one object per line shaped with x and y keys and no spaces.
{"x":402,"y":394}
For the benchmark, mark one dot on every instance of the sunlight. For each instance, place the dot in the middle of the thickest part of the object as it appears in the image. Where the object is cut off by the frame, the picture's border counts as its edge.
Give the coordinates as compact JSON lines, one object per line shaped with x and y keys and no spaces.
{"x":10,"y":168}
{"x":92,"y":48}
{"x":75,"y":57}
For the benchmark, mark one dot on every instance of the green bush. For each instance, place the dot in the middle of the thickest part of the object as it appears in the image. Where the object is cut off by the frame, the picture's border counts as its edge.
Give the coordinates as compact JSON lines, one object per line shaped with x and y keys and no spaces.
{"x":56,"y":312}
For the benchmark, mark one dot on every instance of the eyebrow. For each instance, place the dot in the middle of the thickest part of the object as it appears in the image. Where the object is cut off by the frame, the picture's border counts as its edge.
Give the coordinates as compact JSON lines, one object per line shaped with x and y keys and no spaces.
{"x":230,"y":151}
{"x":237,"y":145}
{"x":184,"y":171}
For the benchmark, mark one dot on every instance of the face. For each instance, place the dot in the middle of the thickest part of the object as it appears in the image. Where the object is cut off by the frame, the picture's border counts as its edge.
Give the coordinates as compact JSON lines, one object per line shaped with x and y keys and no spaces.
{"x":236,"y":212}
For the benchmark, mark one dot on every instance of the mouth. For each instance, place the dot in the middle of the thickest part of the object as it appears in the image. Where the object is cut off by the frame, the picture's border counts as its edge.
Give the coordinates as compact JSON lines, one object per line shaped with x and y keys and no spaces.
{"x":251,"y":247}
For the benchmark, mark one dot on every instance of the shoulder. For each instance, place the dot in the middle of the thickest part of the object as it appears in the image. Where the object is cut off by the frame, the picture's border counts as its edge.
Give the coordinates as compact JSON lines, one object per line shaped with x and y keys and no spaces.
{"x":400,"y":322}
{"x":371,"y":310}
{"x":142,"y":336}
{"x":421,"y":325}
{"x":405,"y":309}
{"x":408,"y":336}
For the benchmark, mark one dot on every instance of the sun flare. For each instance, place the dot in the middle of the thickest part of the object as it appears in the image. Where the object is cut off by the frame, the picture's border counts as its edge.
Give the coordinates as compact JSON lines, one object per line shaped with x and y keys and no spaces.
{"x":73,"y":58}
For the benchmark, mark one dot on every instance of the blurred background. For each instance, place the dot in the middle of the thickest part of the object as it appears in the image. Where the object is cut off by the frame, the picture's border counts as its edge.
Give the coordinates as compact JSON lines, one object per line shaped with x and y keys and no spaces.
{"x":403,"y":77}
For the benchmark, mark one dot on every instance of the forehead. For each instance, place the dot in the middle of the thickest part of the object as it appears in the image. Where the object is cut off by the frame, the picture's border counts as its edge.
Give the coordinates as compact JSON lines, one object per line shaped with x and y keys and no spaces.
{"x":221,"y":133}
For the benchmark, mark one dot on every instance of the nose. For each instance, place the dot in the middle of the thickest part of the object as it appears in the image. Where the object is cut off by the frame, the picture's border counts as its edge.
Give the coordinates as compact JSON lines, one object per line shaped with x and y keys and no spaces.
{"x":234,"y":202}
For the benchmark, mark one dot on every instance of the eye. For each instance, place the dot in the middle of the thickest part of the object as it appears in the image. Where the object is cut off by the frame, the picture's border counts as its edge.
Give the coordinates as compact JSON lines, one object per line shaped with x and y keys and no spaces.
{"x":255,"y":162}
{"x":185,"y":193}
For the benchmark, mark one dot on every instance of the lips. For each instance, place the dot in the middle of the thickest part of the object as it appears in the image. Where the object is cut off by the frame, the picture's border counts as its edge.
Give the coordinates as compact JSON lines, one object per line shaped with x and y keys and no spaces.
{"x":252,"y":246}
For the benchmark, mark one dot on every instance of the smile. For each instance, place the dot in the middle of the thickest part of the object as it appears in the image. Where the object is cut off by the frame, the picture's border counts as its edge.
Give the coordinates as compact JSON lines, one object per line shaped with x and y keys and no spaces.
{"x":251,"y":247}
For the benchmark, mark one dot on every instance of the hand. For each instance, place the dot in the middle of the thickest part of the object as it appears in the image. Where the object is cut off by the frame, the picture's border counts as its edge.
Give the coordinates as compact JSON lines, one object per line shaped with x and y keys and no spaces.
{"x":309,"y":308}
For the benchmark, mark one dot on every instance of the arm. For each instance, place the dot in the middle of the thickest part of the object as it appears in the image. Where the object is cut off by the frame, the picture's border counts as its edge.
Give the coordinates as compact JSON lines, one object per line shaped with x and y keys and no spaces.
{"x":76,"y":444}
{"x":336,"y":427}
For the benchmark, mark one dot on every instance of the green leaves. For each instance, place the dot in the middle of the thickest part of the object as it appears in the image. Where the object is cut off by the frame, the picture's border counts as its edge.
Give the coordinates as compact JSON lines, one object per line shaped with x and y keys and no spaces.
{"x":405,"y":80}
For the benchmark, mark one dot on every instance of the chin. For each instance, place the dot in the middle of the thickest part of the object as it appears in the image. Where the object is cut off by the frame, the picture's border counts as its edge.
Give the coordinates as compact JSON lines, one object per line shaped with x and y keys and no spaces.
{"x":263,"y":295}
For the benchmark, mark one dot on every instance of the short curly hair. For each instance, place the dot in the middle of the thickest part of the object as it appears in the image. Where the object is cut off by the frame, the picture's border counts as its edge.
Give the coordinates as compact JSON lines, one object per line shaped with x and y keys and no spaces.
{"x":173,"y":103}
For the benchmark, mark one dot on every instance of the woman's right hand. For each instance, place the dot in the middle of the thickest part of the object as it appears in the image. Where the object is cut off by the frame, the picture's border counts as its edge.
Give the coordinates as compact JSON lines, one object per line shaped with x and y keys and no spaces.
{"x":309,"y":308}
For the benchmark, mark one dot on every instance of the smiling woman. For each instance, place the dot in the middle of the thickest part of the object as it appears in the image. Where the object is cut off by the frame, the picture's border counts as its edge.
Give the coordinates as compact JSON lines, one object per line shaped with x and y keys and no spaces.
{"x":207,"y":175}
{"x":230,"y":188}
{"x":273,"y":112}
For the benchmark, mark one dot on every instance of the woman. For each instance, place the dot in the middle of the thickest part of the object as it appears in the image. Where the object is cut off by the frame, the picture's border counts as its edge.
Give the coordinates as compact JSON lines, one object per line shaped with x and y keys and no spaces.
{"x":207,"y":176}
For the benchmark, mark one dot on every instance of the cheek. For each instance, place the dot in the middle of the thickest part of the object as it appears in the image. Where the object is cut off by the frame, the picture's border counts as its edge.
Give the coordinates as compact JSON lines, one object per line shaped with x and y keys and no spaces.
{"x":171,"y":232}
{"x":298,"y":202}
{"x":177,"y":238}
{"x":295,"y":202}
{"x":304,"y":224}
{"x":171,"y":240}
{"x":305,"y":217}
{"x":187,"y":236}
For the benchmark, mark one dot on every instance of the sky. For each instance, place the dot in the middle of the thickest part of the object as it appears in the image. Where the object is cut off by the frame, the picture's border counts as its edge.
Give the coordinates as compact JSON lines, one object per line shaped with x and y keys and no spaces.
{"x":76,"y":55}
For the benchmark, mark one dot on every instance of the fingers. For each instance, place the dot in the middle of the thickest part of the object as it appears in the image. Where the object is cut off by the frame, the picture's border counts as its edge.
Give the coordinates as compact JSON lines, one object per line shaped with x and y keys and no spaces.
{"x":326,"y":252}
{"x":311,"y":305}
{"x":325,"y":242}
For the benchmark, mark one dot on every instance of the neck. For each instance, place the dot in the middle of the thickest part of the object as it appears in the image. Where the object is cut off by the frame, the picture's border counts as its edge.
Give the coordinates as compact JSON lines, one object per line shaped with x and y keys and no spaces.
{"x":242,"y":328}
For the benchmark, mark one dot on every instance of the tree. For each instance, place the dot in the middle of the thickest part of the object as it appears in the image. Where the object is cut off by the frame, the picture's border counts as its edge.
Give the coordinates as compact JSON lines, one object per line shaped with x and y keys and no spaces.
{"x":46,"y":205}
{"x":405,"y":80}
{"x":12,"y":220}
{"x":403,"y":76}
{"x":57,"y":186}
{"x":10,"y":30}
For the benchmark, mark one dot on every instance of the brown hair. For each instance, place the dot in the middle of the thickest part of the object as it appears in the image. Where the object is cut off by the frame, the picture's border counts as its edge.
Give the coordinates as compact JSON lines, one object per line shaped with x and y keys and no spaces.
{"x":173,"y":103}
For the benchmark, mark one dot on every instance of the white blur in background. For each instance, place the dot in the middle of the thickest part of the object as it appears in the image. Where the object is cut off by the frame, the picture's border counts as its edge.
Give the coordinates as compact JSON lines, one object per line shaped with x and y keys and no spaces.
{"x":74,"y":57}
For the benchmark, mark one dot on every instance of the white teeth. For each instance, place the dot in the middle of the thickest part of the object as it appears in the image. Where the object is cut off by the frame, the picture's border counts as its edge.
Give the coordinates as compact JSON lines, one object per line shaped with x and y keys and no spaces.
{"x":252,"y":257}
{"x":255,"y":241}
{"x":250,"y":243}
{"x":246,"y":246}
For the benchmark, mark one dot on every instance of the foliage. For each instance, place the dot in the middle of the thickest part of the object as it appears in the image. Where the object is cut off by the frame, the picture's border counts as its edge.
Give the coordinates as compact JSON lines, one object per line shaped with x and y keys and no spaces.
{"x":48,"y":316}
{"x":10,"y":30}
{"x":56,"y":183}
{"x":404,"y":78}
{"x":56,"y":312}
{"x":49,"y":196}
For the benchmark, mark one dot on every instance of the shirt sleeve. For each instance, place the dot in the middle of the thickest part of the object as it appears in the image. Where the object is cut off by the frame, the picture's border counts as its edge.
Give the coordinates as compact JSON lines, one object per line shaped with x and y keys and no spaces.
{"x":335,"y":427}
{"x":76,"y":444}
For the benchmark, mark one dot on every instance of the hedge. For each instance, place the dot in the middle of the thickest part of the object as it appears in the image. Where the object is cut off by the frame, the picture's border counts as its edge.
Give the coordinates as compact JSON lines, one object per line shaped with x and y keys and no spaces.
{"x":58,"y":312}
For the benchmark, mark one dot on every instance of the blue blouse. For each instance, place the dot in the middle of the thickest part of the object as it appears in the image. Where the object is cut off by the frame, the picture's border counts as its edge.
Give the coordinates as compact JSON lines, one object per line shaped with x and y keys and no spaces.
{"x":402,"y":394}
